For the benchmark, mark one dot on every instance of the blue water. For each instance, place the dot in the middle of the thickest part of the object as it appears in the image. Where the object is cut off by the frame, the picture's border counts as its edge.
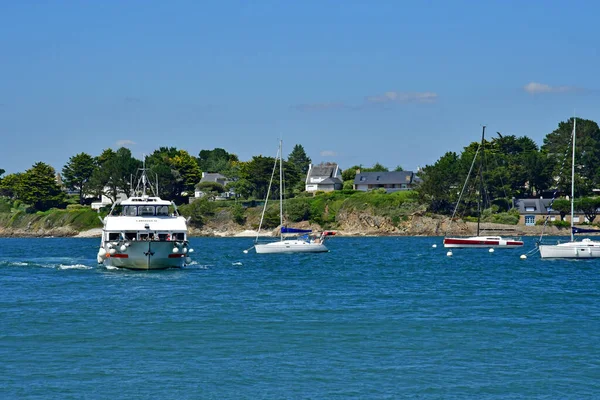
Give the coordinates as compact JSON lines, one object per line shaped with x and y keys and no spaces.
{"x":380,"y":318}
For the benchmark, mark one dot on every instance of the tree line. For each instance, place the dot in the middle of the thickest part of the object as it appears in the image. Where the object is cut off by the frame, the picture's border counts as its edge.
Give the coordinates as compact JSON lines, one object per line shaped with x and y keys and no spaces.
{"x":513,"y":167}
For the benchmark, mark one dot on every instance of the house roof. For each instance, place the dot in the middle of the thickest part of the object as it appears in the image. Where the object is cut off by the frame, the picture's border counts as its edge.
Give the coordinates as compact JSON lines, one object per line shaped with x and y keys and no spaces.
{"x":322,"y":170}
{"x":212,"y":177}
{"x":330,"y":181}
{"x":532,"y":206}
{"x":385,"y":178}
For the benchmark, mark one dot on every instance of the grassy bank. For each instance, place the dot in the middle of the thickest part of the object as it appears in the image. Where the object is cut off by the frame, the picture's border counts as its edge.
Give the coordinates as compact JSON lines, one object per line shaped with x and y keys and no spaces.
{"x":77,"y":219}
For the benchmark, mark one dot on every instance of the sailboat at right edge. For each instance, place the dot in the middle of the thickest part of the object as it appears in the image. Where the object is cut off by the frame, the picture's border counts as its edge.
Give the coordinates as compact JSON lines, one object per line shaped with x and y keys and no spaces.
{"x":585,"y":248}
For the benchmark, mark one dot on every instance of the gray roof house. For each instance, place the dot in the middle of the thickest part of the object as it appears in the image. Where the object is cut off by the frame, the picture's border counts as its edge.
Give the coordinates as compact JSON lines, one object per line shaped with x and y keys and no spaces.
{"x":533,"y":210}
{"x":217,"y":178}
{"x":324,"y":176}
{"x":391,"y":181}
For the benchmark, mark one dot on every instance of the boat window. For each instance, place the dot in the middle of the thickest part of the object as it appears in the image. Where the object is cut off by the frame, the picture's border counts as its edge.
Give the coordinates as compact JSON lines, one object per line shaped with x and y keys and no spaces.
{"x":178,"y":236}
{"x":146,"y":210}
{"x":130,"y":210}
{"x":162,"y":210}
{"x":113,"y":236}
{"x":162,"y":237}
{"x":143,"y":236}
{"x":130,"y":235}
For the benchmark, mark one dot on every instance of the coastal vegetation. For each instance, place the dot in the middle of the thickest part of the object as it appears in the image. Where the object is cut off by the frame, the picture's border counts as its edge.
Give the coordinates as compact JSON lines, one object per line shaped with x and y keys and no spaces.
{"x":513,"y":167}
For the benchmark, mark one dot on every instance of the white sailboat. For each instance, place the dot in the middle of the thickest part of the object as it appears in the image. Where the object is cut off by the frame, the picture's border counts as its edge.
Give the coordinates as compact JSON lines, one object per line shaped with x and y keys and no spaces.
{"x":291,"y":240}
{"x":585,"y":248}
{"x":479,"y":241}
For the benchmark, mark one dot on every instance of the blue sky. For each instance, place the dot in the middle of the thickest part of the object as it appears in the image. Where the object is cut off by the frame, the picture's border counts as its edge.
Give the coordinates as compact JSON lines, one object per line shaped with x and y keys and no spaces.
{"x":355,"y":82}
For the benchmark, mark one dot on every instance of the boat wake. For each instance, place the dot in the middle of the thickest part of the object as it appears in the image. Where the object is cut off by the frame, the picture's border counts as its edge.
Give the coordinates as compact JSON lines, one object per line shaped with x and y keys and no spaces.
{"x":74,"y":266}
{"x":43,"y":264}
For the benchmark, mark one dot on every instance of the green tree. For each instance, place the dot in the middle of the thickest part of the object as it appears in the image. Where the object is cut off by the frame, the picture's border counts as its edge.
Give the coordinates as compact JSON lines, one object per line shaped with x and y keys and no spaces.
{"x":299,"y":158}
{"x":216,"y":160}
{"x":589,"y":206}
{"x":441,"y":184}
{"x":375,"y":168}
{"x":38,"y":188}
{"x":116,"y":173}
{"x":161,"y":170}
{"x":562,"y":206}
{"x":258,"y":173}
{"x":10,"y":184}
{"x":349,"y":174}
{"x":197,"y":211}
{"x":557,"y":145}
{"x":78,"y":172}
{"x":188,"y":169}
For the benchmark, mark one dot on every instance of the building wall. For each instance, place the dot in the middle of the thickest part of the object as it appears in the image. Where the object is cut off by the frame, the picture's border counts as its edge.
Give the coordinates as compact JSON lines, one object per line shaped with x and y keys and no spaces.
{"x":525,"y":219}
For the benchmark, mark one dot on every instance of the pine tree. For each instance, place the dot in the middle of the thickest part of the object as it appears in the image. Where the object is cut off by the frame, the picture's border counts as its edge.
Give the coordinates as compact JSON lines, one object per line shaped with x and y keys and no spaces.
{"x":299,"y":158}
{"x":38,"y":188}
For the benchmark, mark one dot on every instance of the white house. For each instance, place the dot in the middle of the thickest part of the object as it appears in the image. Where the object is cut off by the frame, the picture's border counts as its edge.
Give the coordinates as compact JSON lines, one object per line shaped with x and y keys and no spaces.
{"x":325,"y":177}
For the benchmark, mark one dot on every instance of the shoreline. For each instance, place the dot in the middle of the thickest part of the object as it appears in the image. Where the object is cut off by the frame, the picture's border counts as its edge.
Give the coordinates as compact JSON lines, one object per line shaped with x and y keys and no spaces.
{"x":247,"y":233}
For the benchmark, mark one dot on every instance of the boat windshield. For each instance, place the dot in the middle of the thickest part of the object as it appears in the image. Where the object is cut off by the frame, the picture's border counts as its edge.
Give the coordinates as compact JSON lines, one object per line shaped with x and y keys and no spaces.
{"x":134,"y":211}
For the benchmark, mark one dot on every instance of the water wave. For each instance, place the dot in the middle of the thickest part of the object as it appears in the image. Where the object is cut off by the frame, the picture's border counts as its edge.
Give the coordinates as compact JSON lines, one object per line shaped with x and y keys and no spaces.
{"x":74,"y":266}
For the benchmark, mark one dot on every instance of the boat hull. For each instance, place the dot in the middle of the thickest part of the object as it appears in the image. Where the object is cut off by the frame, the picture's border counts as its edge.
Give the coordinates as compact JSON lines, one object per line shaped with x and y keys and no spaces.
{"x":145,"y":256}
{"x":482,"y":242}
{"x":290,"y":246}
{"x":583,"y":249}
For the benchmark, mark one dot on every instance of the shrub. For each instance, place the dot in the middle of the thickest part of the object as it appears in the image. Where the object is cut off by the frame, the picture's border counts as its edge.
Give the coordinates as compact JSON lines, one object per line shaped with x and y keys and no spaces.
{"x":238,"y":214}
{"x":297,"y":210}
{"x":197,"y":210}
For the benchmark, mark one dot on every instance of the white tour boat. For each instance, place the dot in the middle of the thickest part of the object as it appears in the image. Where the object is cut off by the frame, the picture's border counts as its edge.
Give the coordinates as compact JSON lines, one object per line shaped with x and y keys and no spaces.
{"x":144,"y":232}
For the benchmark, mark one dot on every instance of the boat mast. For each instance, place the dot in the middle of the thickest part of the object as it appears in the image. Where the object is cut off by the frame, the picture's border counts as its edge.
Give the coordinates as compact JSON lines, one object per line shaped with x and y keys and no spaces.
{"x":280,"y":190}
{"x":573,"y":180}
{"x":481,"y":189}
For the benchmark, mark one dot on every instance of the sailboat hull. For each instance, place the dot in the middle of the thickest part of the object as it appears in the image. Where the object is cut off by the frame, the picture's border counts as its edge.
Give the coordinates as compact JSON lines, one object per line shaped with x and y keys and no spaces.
{"x":482,"y":242}
{"x":291,"y":246}
{"x":585,"y":249}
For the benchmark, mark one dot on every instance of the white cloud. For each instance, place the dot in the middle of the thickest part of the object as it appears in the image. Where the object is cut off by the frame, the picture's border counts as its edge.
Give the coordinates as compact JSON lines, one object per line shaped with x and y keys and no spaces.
{"x":125,"y":142}
{"x":328,"y":153}
{"x":536,"y":88}
{"x":403,"y":97}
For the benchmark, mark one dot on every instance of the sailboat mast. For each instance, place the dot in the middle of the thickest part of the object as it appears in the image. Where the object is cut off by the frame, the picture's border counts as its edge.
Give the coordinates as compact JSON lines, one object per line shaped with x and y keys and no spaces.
{"x":480,"y":201}
{"x":281,"y":188}
{"x":573,"y":180}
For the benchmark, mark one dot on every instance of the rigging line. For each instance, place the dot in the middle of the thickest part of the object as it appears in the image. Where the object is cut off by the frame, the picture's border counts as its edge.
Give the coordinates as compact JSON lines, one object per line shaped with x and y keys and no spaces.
{"x":262,"y":216}
{"x":463,"y":188}
{"x":562,"y":166}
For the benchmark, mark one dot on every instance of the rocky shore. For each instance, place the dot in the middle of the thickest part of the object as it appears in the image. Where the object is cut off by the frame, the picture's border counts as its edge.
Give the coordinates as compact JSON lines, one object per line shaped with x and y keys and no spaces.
{"x":348,"y":225}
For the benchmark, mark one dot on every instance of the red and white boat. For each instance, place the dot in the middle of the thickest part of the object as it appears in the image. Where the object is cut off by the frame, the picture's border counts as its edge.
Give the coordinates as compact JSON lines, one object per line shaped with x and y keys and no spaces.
{"x":482,"y":242}
{"x":479,"y":241}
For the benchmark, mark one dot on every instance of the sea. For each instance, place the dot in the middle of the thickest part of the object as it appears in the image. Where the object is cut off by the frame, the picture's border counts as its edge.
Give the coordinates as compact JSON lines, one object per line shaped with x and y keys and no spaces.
{"x":375,"y":318}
